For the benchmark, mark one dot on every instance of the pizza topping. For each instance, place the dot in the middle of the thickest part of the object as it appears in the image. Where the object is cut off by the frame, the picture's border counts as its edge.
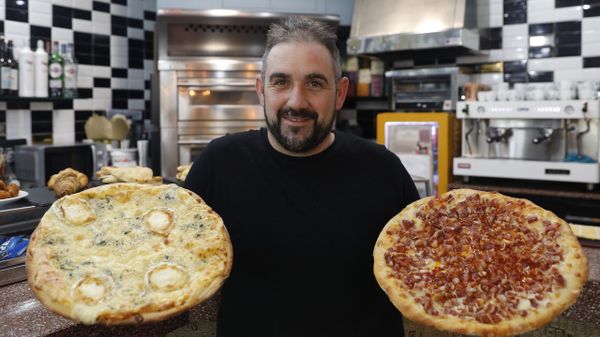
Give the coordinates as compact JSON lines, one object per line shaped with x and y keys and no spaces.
{"x":159,"y":220}
{"x":75,"y":211}
{"x":92,"y":289}
{"x":166,"y":277}
{"x":478,"y":258}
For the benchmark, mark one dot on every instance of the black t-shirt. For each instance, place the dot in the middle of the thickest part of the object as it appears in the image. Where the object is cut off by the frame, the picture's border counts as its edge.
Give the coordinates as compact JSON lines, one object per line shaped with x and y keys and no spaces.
{"x":303,"y":232}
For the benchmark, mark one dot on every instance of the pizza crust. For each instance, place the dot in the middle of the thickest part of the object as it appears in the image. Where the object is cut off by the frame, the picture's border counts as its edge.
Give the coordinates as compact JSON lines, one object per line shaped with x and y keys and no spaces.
{"x":574,"y":269}
{"x":113,"y":253}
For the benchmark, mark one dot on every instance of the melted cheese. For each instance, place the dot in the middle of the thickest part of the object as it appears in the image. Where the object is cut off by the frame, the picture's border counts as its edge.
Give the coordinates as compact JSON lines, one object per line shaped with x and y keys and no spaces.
{"x":76,"y":211}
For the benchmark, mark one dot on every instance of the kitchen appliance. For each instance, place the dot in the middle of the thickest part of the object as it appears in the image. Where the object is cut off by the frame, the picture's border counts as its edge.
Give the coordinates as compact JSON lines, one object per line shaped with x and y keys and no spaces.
{"x":34,"y":164}
{"x":207,"y":63}
{"x":535,"y":140}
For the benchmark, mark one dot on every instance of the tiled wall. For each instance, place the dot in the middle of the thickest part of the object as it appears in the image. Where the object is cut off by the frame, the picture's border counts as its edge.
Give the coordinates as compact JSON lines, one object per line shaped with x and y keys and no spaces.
{"x":566,"y":43}
{"x":113,"y":41}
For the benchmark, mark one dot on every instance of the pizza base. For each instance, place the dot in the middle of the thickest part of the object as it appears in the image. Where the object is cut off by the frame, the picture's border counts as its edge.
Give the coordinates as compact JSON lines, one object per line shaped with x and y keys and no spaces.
{"x":574,"y":269}
{"x":55,"y":290}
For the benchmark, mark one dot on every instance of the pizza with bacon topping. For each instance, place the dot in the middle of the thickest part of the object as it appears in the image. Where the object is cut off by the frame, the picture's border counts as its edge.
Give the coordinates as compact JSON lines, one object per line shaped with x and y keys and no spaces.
{"x":479,"y":263}
{"x":128,"y":253}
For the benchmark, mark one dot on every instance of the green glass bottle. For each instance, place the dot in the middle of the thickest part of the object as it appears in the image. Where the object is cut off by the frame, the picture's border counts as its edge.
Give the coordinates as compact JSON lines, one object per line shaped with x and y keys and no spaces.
{"x":55,"y":72}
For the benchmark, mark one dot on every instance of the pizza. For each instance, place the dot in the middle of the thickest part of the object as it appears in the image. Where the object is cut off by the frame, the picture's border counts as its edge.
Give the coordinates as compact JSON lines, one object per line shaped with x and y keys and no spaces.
{"x":479,"y":263}
{"x":128,"y":174}
{"x":127,"y":253}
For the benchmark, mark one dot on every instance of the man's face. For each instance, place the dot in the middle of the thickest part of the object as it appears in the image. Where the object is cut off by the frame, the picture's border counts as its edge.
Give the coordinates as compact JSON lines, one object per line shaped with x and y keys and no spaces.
{"x":300,"y":95}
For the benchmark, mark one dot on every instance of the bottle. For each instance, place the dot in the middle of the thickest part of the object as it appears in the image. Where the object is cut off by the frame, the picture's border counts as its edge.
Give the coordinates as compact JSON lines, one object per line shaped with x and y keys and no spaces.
{"x":26,"y":71}
{"x":352,"y":74}
{"x":70,"y":72}
{"x":4,"y":70}
{"x":377,"y":85}
{"x":364,"y":78}
{"x":40,"y":67}
{"x":55,"y":72}
{"x":14,"y":67}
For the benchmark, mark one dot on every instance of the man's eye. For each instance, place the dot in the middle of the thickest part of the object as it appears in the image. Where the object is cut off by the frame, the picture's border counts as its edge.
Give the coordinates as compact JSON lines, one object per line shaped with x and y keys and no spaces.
{"x":279,"y":83}
{"x":315,"y":84}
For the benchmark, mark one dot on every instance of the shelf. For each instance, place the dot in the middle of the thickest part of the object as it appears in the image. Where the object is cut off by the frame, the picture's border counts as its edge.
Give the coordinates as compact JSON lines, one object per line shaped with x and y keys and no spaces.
{"x":33,"y":99}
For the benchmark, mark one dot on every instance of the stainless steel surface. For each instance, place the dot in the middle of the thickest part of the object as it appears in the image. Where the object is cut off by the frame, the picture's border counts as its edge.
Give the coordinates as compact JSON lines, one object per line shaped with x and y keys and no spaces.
{"x":12,"y":271}
{"x":397,"y":25}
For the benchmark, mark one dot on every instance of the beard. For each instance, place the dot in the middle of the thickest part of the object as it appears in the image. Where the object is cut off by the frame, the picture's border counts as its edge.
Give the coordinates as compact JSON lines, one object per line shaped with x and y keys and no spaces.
{"x":292,"y":139}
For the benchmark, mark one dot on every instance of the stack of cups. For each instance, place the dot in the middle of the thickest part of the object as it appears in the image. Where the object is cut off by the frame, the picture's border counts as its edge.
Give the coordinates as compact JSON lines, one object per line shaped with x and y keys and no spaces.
{"x":566,"y":90}
{"x":586,"y":90}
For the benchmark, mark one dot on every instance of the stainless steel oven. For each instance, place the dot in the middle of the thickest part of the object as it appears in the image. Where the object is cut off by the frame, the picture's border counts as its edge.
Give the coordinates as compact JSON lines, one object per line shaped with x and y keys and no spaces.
{"x":207,"y":64}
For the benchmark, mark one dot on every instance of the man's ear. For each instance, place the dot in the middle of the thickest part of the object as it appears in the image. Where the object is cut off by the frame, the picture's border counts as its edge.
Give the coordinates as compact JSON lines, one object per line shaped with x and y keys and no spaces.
{"x":260,"y":90}
{"x":342,"y":90}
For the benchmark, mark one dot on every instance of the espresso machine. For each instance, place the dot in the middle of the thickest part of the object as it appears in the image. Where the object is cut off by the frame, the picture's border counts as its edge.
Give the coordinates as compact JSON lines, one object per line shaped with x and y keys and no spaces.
{"x":534,"y":140}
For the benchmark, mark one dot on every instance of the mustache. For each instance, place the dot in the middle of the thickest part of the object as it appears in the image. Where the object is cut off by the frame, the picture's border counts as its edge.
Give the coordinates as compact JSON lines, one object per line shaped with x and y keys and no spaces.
{"x":302,"y":113}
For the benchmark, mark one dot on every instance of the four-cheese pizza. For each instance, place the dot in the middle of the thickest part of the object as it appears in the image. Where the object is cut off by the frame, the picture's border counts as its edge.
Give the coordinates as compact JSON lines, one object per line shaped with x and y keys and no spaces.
{"x":128,"y":253}
{"x":479,"y":263}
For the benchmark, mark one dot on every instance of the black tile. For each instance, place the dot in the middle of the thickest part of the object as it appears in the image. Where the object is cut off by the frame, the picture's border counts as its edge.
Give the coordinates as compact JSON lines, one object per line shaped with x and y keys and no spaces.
{"x":101,"y":61}
{"x":2,"y":26}
{"x":135,"y":23}
{"x":41,"y":116}
{"x":119,"y":2}
{"x":39,"y":32}
{"x":82,"y":14}
{"x":148,"y":35}
{"x":82,"y":115}
{"x":100,"y":39}
{"x":148,"y":54}
{"x":119,"y":72}
{"x":101,"y":82}
{"x":120,"y":94}
{"x":593,"y":10}
{"x":61,"y":21}
{"x":84,"y":58}
{"x":119,"y":104}
{"x":136,"y":58}
{"x":515,"y":66}
{"x":148,"y":15}
{"x":17,"y":105}
{"x":41,"y":127}
{"x":147,"y":84}
{"x":62,"y":11}
{"x":591,"y":62}
{"x":136,"y":94}
{"x":84,"y":92}
{"x":541,"y":52}
{"x":515,"y":18}
{"x":118,"y":30}
{"x":63,"y":105}
{"x":540,"y":76}
{"x":566,"y":3}
{"x":541,"y":29}
{"x":118,"y":20}
{"x":20,"y":15}
{"x":16,"y":4}
{"x":82,"y":38}
{"x":135,"y":43}
{"x":568,"y":50}
{"x":568,"y":27}
{"x":567,"y":39}
{"x":101,"y":51}
{"x":101,"y":7}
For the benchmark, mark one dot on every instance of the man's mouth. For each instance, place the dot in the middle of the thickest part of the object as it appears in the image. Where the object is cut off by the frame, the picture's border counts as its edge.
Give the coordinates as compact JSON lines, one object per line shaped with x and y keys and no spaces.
{"x":301,"y":116}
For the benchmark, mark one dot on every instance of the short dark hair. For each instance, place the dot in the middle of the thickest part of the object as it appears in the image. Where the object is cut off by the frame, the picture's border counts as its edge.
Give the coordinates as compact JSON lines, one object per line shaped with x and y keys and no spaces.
{"x":303,"y":29}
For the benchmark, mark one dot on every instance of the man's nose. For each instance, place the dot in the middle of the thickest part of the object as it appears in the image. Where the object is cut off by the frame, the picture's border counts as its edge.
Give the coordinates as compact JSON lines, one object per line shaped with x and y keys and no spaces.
{"x":297,"y":99}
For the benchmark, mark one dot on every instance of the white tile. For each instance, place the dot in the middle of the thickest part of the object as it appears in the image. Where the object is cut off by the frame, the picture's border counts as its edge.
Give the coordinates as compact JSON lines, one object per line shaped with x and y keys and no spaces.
{"x":590,"y":49}
{"x":555,"y":63}
{"x":148,"y":73}
{"x":40,"y":6}
{"x":148,"y":64}
{"x":118,"y":41}
{"x":343,"y":8}
{"x":40,"y":19}
{"x":119,"y":83}
{"x":118,"y":10}
{"x":85,"y":81}
{"x":84,"y":26}
{"x":101,"y":93}
{"x":147,"y":95}
{"x":18,"y":124}
{"x":102,"y":71}
{"x":515,"y":30}
{"x":137,"y":104}
{"x":100,"y":17}
{"x":151,"y":5}
{"x":590,"y":30}
{"x":555,"y":15}
{"x":539,"y":5}
{"x":136,"y":84}
{"x":62,"y":34}
{"x":516,"y":41}
{"x":118,"y":51}
{"x":119,"y":62}
{"x":101,"y":28}
{"x":135,"y":33}
{"x":149,"y":25}
{"x":16,"y":28}
{"x":63,"y":120}
{"x":590,"y":37}
{"x":85,"y":70}
{"x":82,"y":104}
{"x":2,"y":105}
{"x":101,"y":104}
{"x":63,"y":138}
{"x":135,"y":9}
{"x":136,"y":74}
{"x":514,"y":54}
{"x":65,"y":3}
{"x":2,"y":12}
{"x":567,"y":75}
{"x":83,"y":4}
{"x":589,"y":74}
{"x":41,"y":106}
{"x":18,"y":39}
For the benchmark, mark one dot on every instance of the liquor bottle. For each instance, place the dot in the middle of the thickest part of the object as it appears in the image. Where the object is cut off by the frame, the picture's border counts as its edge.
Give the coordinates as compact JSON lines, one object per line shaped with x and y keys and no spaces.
{"x":40,"y":66}
{"x":26,"y":70}
{"x":4,"y":70}
{"x":70,"y":69}
{"x":14,"y":70}
{"x":55,"y":72}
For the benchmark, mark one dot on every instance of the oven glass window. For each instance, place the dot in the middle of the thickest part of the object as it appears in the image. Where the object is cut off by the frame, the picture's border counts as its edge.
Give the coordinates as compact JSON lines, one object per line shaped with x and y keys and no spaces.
{"x":199,"y":96}
{"x":76,"y":157}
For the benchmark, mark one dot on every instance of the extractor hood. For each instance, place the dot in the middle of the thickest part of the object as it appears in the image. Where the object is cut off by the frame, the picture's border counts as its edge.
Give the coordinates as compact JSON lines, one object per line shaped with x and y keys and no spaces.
{"x":384,"y":26}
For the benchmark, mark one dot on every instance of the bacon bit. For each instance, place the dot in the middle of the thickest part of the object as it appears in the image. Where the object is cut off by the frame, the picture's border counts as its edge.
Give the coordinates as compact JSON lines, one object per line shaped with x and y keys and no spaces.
{"x":531,"y":218}
{"x":408,"y":224}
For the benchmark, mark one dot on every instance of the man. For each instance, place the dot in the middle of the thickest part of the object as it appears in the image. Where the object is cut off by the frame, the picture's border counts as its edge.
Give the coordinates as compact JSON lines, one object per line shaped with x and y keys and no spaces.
{"x":303,"y":204}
